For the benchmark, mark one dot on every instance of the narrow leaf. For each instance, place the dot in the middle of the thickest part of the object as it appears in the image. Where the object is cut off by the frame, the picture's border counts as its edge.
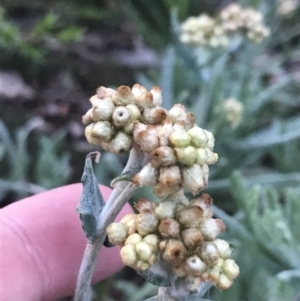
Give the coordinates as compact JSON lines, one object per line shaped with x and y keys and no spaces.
{"x":126,"y":176}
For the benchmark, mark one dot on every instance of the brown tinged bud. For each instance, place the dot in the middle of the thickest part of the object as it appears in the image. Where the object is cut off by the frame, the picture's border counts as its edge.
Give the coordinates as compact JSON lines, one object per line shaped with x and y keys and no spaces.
{"x":163,"y":156}
{"x":178,"y":198}
{"x":169,"y":228}
{"x":123,"y":96}
{"x":103,"y":110}
{"x":121,"y":116}
{"x":186,"y":155}
{"x":170,"y":176}
{"x":121,"y":143}
{"x":190,"y":217}
{"x":162,"y":191}
{"x":145,"y":101}
{"x":164,"y":131}
{"x":138,"y":127}
{"x":148,"y":176}
{"x":193,"y":178}
{"x":137,"y":90}
{"x":103,"y":92}
{"x":173,"y":251}
{"x":209,"y":253}
{"x":116,"y":233}
{"x":192,"y":238}
{"x":164,"y":209}
{"x":157,"y":96}
{"x":154,"y":115}
{"x":146,"y":222}
{"x":195,"y":266}
{"x":88,"y":117}
{"x":211,"y":228}
{"x":143,"y":205}
{"x":147,"y":139}
{"x":204,"y":202}
{"x":178,"y":112}
{"x":103,"y":131}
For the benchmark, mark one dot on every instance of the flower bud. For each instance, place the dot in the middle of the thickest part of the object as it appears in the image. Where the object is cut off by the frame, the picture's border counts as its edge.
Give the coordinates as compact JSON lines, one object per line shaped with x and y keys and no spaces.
{"x":164,"y":209}
{"x":162,"y":156}
{"x":144,"y":250}
{"x":212,"y":157}
{"x":204,"y":202}
{"x":123,"y":96}
{"x":201,"y":155}
{"x":135,"y":112}
{"x":137,"y":90}
{"x":178,"y":112}
{"x":223,"y":248}
{"x":177,"y":198}
{"x":224,"y":282}
{"x":147,"y":139}
{"x":157,"y":97}
{"x":103,"y":131}
{"x":162,"y":191}
{"x":169,"y":228}
{"x":121,"y":116}
{"x":146,"y":222}
{"x":195,"y":266}
{"x":88,"y":134}
{"x":141,"y":265}
{"x":231,"y":269}
{"x":186,"y":155}
{"x":128,"y":128}
{"x":103,"y":92}
{"x":154,"y":115}
{"x":164,"y":131}
{"x":121,"y":143}
{"x":152,"y":239}
{"x":116,"y":233}
{"x":209,"y":253}
{"x":128,"y":255}
{"x":193,"y":178}
{"x":133,"y":239}
{"x":211,"y":228}
{"x":180,"y":139}
{"x":88,"y":117}
{"x":211,"y":140}
{"x":138,"y":127}
{"x":173,"y":251}
{"x":145,"y":101}
{"x":143,"y":205}
{"x":148,"y":176}
{"x":103,"y":110}
{"x":190,"y":217}
{"x":129,"y":222}
{"x":198,"y":136}
{"x":94,"y":100}
{"x":214,"y":274}
{"x":192,"y":238}
{"x":170,"y":176}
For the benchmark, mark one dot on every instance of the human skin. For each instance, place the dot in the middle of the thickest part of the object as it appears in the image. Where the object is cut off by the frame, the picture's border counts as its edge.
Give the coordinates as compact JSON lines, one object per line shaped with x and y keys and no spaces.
{"x":42,"y":245}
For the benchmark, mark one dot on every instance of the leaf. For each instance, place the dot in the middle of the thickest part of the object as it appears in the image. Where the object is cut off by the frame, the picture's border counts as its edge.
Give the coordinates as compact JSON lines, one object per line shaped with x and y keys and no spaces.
{"x":126,"y":176}
{"x":91,"y":201}
{"x":156,"y":275}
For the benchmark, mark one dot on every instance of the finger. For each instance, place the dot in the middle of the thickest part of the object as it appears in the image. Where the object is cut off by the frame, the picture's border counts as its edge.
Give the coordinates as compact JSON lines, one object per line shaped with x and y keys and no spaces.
{"x":42,"y":245}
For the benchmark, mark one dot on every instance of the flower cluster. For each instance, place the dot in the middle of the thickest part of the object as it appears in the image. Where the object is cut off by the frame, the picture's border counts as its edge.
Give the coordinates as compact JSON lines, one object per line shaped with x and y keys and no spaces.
{"x":206,"y":31}
{"x":110,"y":121}
{"x":287,"y":7}
{"x":179,"y":151}
{"x":179,"y":233}
{"x":233,"y":110}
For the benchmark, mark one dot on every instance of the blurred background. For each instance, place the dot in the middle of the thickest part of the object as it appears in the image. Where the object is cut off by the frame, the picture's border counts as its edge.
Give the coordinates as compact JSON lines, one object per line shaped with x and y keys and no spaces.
{"x":54,"y":55}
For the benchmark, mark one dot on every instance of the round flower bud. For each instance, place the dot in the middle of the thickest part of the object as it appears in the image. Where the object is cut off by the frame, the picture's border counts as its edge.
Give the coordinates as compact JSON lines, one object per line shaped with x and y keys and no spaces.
{"x":211,"y":228}
{"x":212,"y":157}
{"x":154,"y":115}
{"x":141,"y":265}
{"x":103,"y":110}
{"x":192,"y":238}
{"x":116,"y":233}
{"x":177,"y":112}
{"x":161,"y":191}
{"x":128,"y":128}
{"x":146,"y":222}
{"x":121,"y":143}
{"x":169,"y":228}
{"x":133,"y":239}
{"x":195,"y":266}
{"x":144,"y":250}
{"x":224,"y":282}
{"x":209,"y":253}
{"x":144,"y":205}
{"x":164,"y":131}
{"x":137,"y":90}
{"x":178,"y":198}
{"x":164,"y":209}
{"x":128,"y":255}
{"x":148,"y":176}
{"x":88,"y":134}
{"x":170,"y":176}
{"x":103,"y":92}
{"x":201,"y":155}
{"x":88,"y":117}
{"x":129,"y":222}
{"x":157,"y":96}
{"x":138,"y":127}
{"x":211,"y":140}
{"x":162,"y":156}
{"x":180,"y":139}
{"x":198,"y":136}
{"x":103,"y":131}
{"x":152,"y":239}
{"x":231,"y":269}
{"x":204,"y":202}
{"x":121,"y":116}
{"x":135,"y":112}
{"x":190,"y":217}
{"x":145,"y":101}
{"x":94,"y":100}
{"x":223,"y":248}
{"x":173,"y":251}
{"x":193,"y":178}
{"x":123,"y":96}
{"x":147,"y":139}
{"x":186,"y":155}
{"x":214,"y":274}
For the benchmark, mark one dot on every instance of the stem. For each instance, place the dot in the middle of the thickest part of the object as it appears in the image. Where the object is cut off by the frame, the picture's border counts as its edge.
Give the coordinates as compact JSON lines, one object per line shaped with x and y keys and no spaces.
{"x":117,"y":200}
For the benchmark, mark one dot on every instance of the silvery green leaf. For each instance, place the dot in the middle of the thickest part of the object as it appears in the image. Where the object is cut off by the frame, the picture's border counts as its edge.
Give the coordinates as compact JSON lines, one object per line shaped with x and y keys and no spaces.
{"x":91,"y":201}
{"x":126,"y":176}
